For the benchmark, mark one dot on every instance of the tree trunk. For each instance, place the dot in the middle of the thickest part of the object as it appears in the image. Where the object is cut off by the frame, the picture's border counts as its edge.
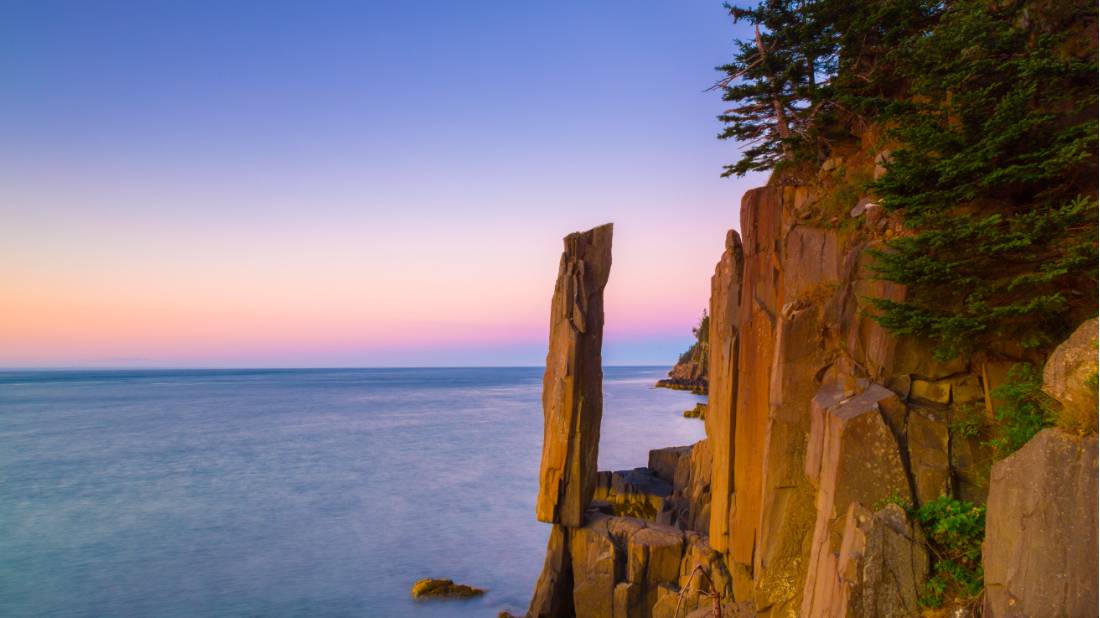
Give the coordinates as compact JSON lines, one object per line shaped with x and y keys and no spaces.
{"x":781,"y":123}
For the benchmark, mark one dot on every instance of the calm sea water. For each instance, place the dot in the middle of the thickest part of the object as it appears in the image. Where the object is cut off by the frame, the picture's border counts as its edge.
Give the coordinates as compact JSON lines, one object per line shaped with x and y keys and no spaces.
{"x":286,"y":492}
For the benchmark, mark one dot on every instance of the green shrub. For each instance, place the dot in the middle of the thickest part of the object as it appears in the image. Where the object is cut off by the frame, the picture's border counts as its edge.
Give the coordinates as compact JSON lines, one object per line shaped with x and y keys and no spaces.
{"x":955,"y":530}
{"x":1022,"y":410}
{"x":896,"y":497}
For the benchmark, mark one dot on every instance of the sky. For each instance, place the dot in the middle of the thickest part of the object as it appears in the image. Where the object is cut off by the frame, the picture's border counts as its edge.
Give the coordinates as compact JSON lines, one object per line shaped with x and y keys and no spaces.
{"x":343,"y":184}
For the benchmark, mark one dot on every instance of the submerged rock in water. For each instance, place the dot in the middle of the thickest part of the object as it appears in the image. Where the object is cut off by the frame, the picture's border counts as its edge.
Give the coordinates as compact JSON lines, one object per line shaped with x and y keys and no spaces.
{"x":443,"y":589}
{"x":699,"y":412}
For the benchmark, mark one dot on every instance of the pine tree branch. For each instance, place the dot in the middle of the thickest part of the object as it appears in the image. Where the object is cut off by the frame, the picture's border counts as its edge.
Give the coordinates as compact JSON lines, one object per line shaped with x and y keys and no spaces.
{"x":726,"y":81}
{"x":780,"y":114}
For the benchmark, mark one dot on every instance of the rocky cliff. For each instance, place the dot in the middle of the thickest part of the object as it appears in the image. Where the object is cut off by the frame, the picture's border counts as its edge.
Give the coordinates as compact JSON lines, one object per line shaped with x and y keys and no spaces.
{"x":691,"y":370}
{"x":832,"y":448}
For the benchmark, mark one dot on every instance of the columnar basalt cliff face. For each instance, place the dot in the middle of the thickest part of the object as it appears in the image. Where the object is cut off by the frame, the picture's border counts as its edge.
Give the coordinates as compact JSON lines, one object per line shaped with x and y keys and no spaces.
{"x":760,"y":302}
{"x":724,"y":352}
{"x":572,"y":387}
{"x":823,"y":432}
{"x":822,"y":417}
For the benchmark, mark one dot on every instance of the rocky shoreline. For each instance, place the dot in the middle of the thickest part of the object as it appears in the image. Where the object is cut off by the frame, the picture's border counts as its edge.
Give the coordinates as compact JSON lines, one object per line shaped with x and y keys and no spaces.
{"x":690,"y":371}
{"x":697,"y":386}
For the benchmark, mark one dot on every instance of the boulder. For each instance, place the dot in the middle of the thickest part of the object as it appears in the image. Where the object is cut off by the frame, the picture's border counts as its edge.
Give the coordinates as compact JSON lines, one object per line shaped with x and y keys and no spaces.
{"x":880,"y":568}
{"x":572,"y":390}
{"x":653,"y":558}
{"x":1070,"y":377}
{"x":852,"y":459}
{"x":443,"y":589}
{"x":1040,"y":548}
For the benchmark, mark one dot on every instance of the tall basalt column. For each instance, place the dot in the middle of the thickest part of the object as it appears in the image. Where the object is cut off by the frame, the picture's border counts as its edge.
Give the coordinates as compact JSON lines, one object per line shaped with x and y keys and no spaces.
{"x":572,"y":387}
{"x":761,"y":302}
{"x":725,"y":297}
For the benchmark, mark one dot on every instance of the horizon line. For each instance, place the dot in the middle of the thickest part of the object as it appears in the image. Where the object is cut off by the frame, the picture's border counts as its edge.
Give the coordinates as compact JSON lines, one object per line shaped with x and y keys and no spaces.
{"x":286,"y":367}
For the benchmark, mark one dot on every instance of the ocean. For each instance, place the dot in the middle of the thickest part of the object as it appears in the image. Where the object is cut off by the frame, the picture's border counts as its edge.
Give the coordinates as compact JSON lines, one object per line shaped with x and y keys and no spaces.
{"x":321,"y":492}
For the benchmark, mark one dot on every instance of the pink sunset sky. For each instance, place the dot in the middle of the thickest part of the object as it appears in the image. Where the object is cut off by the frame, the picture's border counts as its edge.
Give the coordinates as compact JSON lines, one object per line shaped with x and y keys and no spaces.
{"x":303,"y":189}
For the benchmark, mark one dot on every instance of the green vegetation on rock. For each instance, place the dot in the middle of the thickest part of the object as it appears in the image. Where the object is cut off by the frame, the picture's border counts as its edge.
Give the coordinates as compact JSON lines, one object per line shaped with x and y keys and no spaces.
{"x":989,"y":151}
{"x":701,"y":332}
{"x":690,"y":372}
{"x":955,"y":530}
{"x":1024,"y":410}
{"x":995,"y":173}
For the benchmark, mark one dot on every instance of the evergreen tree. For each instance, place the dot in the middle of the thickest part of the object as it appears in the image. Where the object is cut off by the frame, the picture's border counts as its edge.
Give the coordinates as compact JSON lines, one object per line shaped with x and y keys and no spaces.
{"x":993,"y":109}
{"x":772,"y":82}
{"x":996,"y":174}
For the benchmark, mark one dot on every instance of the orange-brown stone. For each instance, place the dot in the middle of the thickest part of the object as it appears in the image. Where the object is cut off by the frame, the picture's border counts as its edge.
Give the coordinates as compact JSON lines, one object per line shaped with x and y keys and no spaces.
{"x":572,"y":387}
{"x":724,"y":303}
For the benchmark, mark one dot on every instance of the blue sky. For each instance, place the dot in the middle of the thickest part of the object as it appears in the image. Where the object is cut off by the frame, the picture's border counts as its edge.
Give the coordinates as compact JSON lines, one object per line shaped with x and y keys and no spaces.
{"x":352,"y":183}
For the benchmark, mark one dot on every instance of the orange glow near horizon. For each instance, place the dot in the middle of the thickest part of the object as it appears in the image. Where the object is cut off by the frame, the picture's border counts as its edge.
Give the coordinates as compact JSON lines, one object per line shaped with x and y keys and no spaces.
{"x":151,"y":296}
{"x":303,"y":188}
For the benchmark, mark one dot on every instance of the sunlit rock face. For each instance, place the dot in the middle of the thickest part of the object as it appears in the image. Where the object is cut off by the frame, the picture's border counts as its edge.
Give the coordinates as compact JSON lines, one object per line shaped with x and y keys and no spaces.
{"x":572,"y":395}
{"x":1069,"y":376}
{"x":853,"y":460}
{"x":819,"y":424}
{"x":725,"y":291}
{"x":1040,"y":549}
{"x":790,"y":324}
